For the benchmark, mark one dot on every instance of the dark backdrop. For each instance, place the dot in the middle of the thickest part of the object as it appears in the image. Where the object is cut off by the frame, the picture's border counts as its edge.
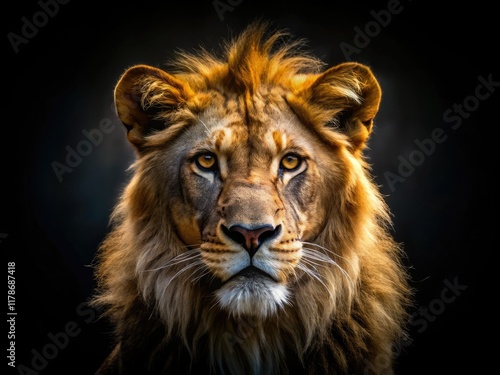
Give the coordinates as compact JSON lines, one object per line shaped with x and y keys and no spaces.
{"x":433,"y":152}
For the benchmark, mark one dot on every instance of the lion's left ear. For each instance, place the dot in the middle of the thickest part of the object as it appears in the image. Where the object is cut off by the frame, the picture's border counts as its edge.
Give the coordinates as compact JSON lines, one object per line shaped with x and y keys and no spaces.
{"x":346,"y":97}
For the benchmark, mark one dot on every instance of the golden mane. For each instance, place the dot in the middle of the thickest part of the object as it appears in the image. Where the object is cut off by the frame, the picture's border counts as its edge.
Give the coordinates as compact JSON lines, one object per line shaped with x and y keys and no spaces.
{"x":338,"y":300}
{"x":248,"y":62}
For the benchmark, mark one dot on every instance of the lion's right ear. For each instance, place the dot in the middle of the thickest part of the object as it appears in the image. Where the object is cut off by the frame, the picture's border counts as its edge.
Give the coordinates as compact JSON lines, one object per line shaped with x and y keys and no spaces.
{"x":144,"y":98}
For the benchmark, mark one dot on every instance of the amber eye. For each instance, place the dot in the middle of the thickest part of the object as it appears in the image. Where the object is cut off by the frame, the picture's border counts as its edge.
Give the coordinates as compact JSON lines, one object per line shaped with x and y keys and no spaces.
{"x":206,"y":161}
{"x":290,"y":162}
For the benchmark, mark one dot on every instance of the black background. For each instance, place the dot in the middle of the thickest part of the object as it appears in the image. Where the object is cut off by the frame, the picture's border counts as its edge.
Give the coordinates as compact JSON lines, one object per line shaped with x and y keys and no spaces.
{"x":428,"y":58}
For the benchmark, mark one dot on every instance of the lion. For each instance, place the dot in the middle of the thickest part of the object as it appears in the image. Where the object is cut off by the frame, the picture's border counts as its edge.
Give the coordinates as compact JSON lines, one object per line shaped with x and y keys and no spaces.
{"x":251,"y":237}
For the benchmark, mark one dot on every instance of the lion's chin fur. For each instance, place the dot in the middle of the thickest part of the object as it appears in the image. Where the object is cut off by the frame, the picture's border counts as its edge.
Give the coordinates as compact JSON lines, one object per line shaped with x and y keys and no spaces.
{"x":256,"y":296}
{"x":251,"y":325}
{"x":248,"y":325}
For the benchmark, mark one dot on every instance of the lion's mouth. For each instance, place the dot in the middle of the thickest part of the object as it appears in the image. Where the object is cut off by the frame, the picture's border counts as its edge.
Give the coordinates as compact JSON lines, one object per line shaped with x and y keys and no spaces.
{"x":250,"y":272}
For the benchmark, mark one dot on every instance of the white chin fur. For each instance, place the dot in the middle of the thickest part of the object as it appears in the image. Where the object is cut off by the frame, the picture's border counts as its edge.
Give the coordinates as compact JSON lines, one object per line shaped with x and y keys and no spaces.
{"x":257,"y":296}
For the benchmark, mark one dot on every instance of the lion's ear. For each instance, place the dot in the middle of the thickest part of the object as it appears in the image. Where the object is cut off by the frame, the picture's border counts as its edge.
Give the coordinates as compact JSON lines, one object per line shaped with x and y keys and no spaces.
{"x":144,"y":97}
{"x":346,"y":97}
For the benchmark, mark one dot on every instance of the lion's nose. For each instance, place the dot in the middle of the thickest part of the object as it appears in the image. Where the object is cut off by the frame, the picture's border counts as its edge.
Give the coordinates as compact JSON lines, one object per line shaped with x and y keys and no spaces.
{"x":251,"y":238}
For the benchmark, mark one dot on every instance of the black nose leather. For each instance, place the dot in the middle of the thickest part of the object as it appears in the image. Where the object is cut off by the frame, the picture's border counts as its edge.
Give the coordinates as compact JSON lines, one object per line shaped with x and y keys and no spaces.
{"x":251,"y":237}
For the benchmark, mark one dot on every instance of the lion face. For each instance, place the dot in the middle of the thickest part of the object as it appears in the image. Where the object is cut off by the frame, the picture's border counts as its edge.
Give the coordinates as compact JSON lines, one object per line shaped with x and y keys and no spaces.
{"x":249,"y":199}
{"x":246,"y":180}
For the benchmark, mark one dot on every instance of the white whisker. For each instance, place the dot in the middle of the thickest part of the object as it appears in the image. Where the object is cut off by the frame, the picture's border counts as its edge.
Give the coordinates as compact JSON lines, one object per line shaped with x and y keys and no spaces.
{"x":203,"y":274}
{"x":328,"y":251}
{"x":184,"y":269}
{"x":203,"y":271}
{"x":181,"y":271}
{"x":184,"y":257}
{"x":312,"y":274}
{"x":314,"y":258}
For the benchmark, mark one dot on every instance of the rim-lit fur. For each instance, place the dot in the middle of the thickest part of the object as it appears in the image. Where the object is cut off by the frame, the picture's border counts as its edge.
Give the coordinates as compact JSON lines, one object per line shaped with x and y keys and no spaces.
{"x":335,"y":298}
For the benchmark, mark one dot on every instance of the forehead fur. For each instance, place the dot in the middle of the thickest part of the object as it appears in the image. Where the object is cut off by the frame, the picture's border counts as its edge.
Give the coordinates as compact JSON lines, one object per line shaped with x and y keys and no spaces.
{"x":256,"y":68}
{"x":251,"y":60}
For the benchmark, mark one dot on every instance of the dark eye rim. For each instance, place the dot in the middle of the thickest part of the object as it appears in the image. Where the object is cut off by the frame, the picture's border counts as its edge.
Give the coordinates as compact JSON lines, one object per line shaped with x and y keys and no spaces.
{"x":213,"y":168}
{"x":300,"y":160}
